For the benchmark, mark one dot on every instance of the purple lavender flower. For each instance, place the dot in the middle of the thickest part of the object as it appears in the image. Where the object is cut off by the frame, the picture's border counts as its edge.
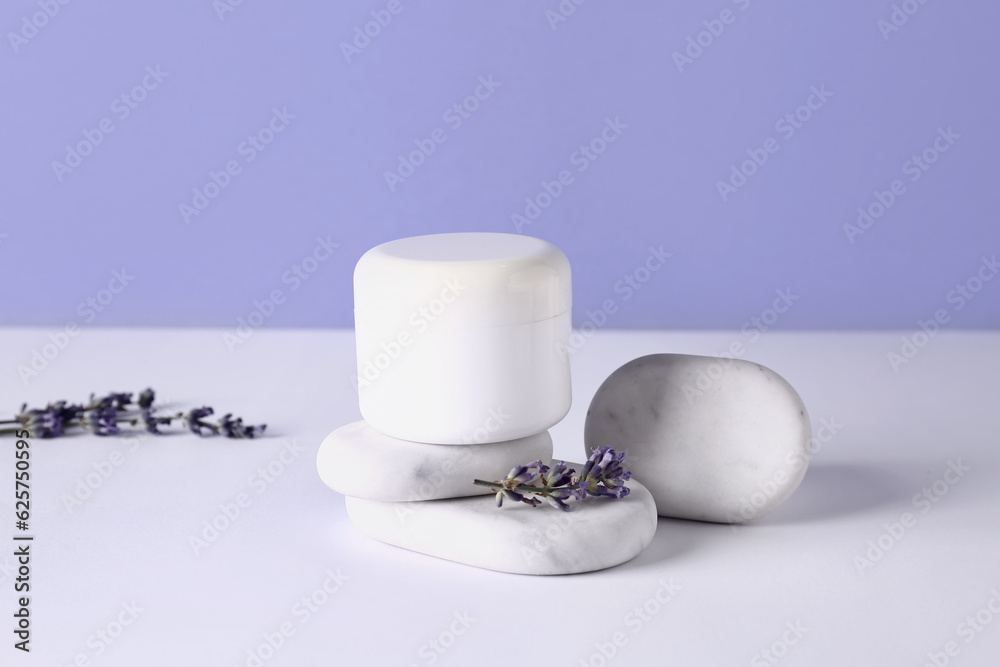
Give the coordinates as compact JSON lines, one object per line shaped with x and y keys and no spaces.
{"x":235,"y":428}
{"x":525,"y":474}
{"x":193,"y":421}
{"x":47,"y":423}
{"x":66,"y":411}
{"x":519,"y":476}
{"x":116,"y":400}
{"x":507,"y":493}
{"x":232,"y":428}
{"x":558,"y":475}
{"x":604,"y":474}
{"x":516,"y":497}
{"x":558,"y":497}
{"x":618,"y":492}
{"x":100,"y":421}
{"x":151,"y":422}
{"x":146,"y":398}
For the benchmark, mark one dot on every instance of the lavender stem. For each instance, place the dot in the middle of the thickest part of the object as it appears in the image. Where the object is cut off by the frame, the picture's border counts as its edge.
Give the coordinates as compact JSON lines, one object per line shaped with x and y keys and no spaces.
{"x":526,"y":488}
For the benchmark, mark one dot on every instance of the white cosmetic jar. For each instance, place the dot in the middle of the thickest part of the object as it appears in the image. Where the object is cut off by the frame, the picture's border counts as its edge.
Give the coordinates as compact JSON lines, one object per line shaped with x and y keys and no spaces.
{"x":463,"y":338}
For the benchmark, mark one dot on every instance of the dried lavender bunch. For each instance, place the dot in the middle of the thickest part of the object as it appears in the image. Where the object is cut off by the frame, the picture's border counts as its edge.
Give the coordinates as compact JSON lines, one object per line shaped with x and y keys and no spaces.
{"x":102,"y":415}
{"x":602,"y":475}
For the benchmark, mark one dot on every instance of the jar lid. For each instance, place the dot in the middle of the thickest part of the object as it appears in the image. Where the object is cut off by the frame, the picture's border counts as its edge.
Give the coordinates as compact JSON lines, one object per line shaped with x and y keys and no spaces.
{"x":470,"y":279}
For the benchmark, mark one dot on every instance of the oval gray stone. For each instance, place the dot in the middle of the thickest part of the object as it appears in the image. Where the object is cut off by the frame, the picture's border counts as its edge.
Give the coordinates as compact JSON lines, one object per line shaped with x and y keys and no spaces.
{"x":713,"y":439}
{"x":359,"y":461}
{"x":598,"y":533}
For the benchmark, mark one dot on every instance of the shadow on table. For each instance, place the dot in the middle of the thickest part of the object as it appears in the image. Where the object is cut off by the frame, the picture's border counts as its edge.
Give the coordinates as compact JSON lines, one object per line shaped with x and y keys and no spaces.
{"x":827,"y":492}
{"x":832,"y":490}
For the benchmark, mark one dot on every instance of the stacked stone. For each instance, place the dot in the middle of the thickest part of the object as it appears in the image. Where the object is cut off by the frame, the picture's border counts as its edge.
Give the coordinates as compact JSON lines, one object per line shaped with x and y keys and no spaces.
{"x":463,"y":365}
{"x":361,"y":462}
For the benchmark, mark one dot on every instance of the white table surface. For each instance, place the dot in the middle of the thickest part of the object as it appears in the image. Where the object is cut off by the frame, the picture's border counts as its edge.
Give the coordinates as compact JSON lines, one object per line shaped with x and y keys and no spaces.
{"x":738,"y":588}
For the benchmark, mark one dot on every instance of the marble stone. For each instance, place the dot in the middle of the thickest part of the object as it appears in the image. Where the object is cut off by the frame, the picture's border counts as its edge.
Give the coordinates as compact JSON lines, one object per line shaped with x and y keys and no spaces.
{"x":724,"y":440}
{"x":598,"y":533}
{"x":359,"y":461}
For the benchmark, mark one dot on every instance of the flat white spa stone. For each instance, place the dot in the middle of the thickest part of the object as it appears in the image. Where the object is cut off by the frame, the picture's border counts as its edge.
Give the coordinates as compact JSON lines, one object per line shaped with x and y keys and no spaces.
{"x":713,"y":439}
{"x":359,"y":461}
{"x":518,"y":538}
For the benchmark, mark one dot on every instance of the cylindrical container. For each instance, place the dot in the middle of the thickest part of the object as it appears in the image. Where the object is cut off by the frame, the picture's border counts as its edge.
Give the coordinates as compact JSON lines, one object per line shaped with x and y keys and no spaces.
{"x":463,"y":338}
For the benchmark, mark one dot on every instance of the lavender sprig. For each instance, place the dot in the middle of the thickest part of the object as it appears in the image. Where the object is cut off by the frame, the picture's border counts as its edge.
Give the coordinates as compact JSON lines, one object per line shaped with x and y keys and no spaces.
{"x":602,"y":475}
{"x":103,"y":415}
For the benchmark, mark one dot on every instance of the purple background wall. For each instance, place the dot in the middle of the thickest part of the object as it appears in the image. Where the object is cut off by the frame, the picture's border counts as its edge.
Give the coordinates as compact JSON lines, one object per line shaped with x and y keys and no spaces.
{"x":200,"y":78}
